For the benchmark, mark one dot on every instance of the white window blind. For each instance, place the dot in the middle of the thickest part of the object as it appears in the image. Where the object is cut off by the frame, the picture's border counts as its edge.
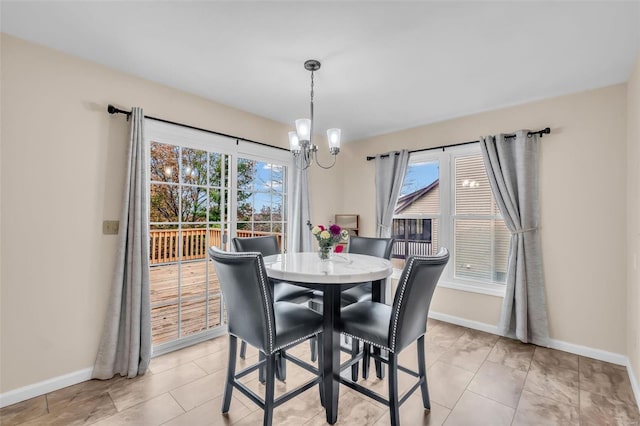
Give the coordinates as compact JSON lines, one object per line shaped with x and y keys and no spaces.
{"x":481,"y":239}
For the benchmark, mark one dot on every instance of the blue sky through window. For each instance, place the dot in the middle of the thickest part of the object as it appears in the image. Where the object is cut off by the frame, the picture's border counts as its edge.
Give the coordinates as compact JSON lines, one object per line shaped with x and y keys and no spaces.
{"x":419,"y":175}
{"x":267,"y":186}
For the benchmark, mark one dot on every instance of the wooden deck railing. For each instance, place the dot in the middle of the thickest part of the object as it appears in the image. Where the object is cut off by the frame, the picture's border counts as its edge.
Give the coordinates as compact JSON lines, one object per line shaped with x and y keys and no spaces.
{"x":164,"y":243}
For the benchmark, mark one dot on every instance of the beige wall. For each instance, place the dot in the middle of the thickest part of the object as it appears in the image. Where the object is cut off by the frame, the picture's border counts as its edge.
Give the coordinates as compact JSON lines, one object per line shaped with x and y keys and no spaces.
{"x":582,"y":198}
{"x":633,"y":219}
{"x":326,"y":189}
{"x":62,"y":169}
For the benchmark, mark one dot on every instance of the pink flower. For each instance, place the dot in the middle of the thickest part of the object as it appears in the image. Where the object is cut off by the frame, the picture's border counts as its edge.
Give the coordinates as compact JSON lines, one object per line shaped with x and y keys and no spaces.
{"x":321,"y":227}
{"x":334,"y":229}
{"x":338,"y":248}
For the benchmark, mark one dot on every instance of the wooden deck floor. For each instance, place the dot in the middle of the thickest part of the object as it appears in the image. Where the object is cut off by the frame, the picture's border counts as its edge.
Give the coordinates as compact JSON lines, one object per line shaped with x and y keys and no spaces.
{"x":191,"y":313}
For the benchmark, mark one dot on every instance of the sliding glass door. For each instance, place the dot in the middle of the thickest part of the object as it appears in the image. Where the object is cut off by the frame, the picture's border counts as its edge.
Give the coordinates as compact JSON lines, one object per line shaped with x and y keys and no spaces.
{"x":204,"y":189}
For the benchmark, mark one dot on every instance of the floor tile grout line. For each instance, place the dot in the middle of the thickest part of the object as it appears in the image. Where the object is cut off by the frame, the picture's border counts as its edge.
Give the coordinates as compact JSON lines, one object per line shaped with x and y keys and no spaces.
{"x":579,"y":387}
{"x":153,"y":397}
{"x":522,"y":390}
{"x":500,"y":402}
{"x":466,"y":388}
{"x":186,"y":362}
{"x":178,"y":402}
{"x":491,"y":399}
{"x":46,"y":400}
{"x":33,"y":418}
{"x":113,"y":402}
{"x":184,"y":411}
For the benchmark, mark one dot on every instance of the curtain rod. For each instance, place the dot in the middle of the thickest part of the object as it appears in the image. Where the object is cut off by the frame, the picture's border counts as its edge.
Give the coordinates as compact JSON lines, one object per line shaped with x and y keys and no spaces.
{"x":113,"y":110}
{"x":540,"y":133}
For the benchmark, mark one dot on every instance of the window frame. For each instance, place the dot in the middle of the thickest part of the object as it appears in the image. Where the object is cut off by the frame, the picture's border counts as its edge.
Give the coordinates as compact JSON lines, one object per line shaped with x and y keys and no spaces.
{"x":447,"y":217}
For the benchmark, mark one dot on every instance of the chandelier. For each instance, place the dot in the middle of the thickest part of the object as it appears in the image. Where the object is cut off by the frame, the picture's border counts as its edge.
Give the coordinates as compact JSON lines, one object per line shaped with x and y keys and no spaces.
{"x":300,"y":142}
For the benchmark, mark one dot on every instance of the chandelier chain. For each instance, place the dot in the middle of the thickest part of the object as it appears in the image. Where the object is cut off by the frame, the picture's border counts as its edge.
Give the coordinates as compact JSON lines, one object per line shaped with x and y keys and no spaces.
{"x":311,"y":107}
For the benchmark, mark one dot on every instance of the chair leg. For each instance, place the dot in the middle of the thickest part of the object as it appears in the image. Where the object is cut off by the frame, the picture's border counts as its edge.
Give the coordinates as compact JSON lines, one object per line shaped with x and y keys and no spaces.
{"x":313,"y":344}
{"x":269,"y":395}
{"x":261,"y":369}
{"x":243,"y":349}
{"x":314,"y":350}
{"x":231,"y":372}
{"x":394,"y":408}
{"x":281,"y":366}
{"x":379,"y":364}
{"x":320,"y":369}
{"x":355,"y":348}
{"x":422,"y":372}
{"x":366,"y":360}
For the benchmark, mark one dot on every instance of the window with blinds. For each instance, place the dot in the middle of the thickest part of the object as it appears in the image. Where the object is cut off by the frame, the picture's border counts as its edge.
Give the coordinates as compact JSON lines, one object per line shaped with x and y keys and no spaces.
{"x":480,"y":237}
{"x":448,"y":191}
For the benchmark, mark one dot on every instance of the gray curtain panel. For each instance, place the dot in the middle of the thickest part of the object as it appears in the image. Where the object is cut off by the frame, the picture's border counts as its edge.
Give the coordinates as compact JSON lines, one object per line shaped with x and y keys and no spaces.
{"x":300,"y":237}
{"x":512,"y":167}
{"x":125,"y":347}
{"x":390,"y":171}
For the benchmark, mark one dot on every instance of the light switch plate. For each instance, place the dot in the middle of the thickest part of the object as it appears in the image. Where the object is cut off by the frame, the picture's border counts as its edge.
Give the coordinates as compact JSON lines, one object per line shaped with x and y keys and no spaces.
{"x":110,"y":227}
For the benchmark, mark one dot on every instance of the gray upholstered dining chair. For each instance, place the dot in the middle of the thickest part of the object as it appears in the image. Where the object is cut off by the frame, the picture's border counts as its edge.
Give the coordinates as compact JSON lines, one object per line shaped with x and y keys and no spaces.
{"x":269,"y":326}
{"x":267,"y":246}
{"x":378,"y":247}
{"x":393,"y":328}
{"x":282,"y":291}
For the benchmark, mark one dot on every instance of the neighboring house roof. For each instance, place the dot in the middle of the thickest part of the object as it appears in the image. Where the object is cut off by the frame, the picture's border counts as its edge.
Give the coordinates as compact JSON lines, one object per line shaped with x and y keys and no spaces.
{"x":406,"y":200}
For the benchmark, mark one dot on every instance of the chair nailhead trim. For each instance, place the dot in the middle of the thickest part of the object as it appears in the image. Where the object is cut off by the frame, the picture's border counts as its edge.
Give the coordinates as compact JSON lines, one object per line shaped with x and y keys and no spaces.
{"x":266,"y":298}
{"x":295,"y":341}
{"x":377,"y":345}
{"x":403,"y":287}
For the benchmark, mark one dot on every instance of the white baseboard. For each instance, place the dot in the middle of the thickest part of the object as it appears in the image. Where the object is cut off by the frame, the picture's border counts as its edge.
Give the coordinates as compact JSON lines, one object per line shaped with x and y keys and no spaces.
{"x":476,"y":325}
{"x":588,"y":352}
{"x":45,"y":386}
{"x":560,"y":345}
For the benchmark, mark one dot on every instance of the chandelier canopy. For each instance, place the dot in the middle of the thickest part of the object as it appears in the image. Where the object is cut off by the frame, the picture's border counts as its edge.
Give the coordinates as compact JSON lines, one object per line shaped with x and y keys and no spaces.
{"x":300,"y":141}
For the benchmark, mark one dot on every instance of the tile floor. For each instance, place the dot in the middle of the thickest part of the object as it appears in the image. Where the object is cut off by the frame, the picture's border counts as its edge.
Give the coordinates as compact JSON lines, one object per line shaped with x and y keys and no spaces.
{"x":475,"y":378}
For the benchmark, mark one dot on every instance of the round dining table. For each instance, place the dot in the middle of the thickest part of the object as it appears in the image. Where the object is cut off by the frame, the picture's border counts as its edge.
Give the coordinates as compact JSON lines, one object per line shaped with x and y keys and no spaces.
{"x":340,"y":272}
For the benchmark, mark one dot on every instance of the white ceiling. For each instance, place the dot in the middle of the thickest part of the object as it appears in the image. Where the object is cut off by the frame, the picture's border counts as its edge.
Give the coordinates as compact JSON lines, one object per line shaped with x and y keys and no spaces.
{"x":385,"y":65}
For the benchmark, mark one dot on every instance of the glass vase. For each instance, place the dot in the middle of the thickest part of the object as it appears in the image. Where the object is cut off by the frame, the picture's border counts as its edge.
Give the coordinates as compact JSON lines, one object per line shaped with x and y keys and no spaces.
{"x":325,"y":253}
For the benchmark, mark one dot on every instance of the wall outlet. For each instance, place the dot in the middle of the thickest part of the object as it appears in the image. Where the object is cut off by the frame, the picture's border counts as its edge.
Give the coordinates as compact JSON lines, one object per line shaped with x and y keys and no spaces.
{"x":110,"y":227}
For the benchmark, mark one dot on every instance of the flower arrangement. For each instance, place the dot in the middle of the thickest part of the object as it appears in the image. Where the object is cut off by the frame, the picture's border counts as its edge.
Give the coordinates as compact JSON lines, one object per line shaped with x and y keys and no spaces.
{"x":328,"y":238}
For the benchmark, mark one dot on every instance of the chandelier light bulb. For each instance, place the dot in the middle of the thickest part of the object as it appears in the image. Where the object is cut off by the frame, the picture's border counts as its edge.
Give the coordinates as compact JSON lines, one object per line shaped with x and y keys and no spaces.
{"x":303,"y":127}
{"x":333,"y":137}
{"x":294,"y":142}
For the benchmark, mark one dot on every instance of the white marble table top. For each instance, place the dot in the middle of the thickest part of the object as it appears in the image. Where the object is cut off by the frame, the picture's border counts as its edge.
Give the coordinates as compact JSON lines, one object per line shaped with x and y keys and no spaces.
{"x":342,"y":268}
